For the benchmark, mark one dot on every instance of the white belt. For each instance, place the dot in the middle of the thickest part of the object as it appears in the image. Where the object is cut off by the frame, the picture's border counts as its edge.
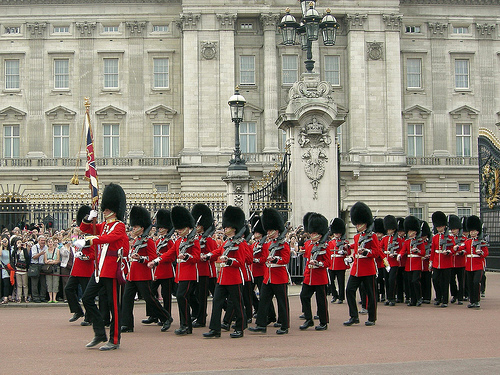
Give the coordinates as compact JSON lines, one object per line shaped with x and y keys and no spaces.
{"x":337,"y":256}
{"x":414,"y":256}
{"x":272,"y":265}
{"x":360,"y":256}
{"x":473,"y":256}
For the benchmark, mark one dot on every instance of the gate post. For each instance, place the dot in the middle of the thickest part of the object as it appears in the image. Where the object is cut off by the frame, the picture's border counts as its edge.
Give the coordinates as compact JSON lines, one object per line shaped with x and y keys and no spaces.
{"x":238,"y":188}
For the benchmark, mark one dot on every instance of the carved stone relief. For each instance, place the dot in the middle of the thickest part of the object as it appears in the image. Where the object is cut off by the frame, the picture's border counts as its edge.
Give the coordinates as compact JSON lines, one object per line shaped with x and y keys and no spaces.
{"x":208,"y":50}
{"x":374,"y":50}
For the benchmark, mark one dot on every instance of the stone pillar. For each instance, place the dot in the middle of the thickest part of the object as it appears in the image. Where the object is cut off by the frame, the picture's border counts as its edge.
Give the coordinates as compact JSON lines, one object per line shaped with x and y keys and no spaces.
{"x":310,"y":120}
{"x":271,"y":134}
{"x":238,"y":188}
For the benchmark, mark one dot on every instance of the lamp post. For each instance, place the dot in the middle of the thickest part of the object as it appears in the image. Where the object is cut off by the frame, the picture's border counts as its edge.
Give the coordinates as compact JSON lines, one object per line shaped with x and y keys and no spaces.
{"x":308,"y":29}
{"x":237,"y":106}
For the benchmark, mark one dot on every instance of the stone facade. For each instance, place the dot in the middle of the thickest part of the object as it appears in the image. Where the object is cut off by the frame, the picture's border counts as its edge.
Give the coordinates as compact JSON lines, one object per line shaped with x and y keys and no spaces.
{"x":400,"y":68}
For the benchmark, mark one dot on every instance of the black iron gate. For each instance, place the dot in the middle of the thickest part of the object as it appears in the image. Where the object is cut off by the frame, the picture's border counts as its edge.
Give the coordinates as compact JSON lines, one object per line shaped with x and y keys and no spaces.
{"x":489,"y":182}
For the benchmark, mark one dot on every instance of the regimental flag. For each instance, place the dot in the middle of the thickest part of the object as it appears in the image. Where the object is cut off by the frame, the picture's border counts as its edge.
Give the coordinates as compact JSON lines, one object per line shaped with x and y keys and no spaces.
{"x":90,"y":168}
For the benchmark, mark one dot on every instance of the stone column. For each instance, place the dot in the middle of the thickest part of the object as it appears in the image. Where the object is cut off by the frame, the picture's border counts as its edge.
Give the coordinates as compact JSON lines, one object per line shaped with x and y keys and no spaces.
{"x":271,"y":133}
{"x":238,"y":188}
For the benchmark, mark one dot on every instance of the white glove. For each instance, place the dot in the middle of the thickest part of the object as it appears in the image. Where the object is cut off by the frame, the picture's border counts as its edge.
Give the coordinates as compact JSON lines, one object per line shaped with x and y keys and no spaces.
{"x":399,"y":257}
{"x":80,"y":244}
{"x":348,"y":261}
{"x":92,"y":215}
{"x":78,"y":255}
{"x":388,"y":268}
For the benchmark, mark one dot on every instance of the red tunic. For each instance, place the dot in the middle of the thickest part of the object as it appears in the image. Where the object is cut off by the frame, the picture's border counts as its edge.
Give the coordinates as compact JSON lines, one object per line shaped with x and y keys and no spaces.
{"x":392,"y":254}
{"x":231,"y":273}
{"x":317,"y":274}
{"x":260,"y":253}
{"x":338,"y":254}
{"x":139,"y":270}
{"x":459,"y":256}
{"x":186,"y":269}
{"x":474,"y":261}
{"x":164,"y":270}
{"x":84,"y":267}
{"x":277,"y":273}
{"x":364,"y":265}
{"x":207,"y":267}
{"x":414,"y":253}
{"x":113,"y":234}
{"x":440,"y":259}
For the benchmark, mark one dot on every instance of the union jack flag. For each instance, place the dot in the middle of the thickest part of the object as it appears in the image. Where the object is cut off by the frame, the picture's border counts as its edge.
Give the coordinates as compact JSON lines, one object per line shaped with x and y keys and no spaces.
{"x":90,"y":168}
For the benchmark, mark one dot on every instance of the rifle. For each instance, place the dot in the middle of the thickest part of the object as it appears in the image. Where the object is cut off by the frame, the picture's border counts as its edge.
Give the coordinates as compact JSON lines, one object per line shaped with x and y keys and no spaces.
{"x":319,"y":248}
{"x":234,"y":242}
{"x":163,"y":242}
{"x":445,"y":241}
{"x":190,"y":238}
{"x":393,"y":247}
{"x":341,"y":244}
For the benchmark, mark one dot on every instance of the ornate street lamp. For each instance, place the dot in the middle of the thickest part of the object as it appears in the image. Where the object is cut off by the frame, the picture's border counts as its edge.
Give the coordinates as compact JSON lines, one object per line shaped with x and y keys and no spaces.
{"x":308,"y":30}
{"x":237,"y":107}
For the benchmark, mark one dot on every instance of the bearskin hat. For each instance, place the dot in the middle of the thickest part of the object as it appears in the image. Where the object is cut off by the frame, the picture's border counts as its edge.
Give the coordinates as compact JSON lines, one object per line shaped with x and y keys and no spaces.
{"x":464,"y":224}
{"x":200,"y":209}
{"x":318,"y":224}
{"x":82,"y":212}
{"x":272,"y":220}
{"x":439,"y":219}
{"x":140,"y":216}
{"x":256,"y":224}
{"x":378,"y":225}
{"x":474,"y":223}
{"x":181,"y":218}
{"x":390,"y":222}
{"x":305,"y":221}
{"x":454,"y":222}
{"x":412,"y":223}
{"x":233,"y":217}
{"x":114,"y":199}
{"x":337,"y":226}
{"x":425,"y":230}
{"x":361,"y":214}
{"x":163,"y":219}
{"x":401,"y":224}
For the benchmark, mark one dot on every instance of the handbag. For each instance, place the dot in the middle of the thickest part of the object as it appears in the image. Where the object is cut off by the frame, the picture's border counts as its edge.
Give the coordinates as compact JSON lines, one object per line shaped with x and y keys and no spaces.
{"x":47,"y":269}
{"x":34,"y":270}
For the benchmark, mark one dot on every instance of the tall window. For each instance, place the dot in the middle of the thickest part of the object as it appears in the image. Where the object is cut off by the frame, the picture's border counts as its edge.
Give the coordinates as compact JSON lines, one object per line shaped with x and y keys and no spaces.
{"x":61,"y":74}
{"x":12,"y":74}
{"x":290,"y":71}
{"x":110,"y":73}
{"x":248,"y":137}
{"x":161,"y":141}
{"x":464,"y":140}
{"x":332,"y":70}
{"x":111,"y":140}
{"x":11,"y":141}
{"x":464,"y":211}
{"x":247,"y":70}
{"x":61,"y":141}
{"x":160,"y":72}
{"x":418,"y":212}
{"x":461,"y":74}
{"x":415,"y":140}
{"x":414,"y":73}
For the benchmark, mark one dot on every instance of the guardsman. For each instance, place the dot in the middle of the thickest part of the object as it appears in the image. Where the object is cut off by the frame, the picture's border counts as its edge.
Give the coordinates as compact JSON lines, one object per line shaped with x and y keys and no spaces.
{"x":414,"y":250}
{"x":82,"y":270}
{"x":316,"y":273}
{"x":232,"y":256}
{"x":402,"y":285}
{"x":276,"y":276}
{"x":390,"y":247}
{"x":365,"y":249}
{"x":112,"y":244}
{"x":457,"y":278}
{"x":378,"y":228}
{"x":339,"y":250}
{"x":163,"y":271}
{"x":476,"y":251}
{"x":139,"y":277}
{"x":440,"y":263}
{"x":426,"y":235}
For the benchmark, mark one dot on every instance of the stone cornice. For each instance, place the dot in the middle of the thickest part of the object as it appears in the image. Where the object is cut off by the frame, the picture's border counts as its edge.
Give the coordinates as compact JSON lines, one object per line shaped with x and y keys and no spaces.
{"x":355,"y":21}
{"x":79,"y":2}
{"x":226,"y":21}
{"x":188,"y":21}
{"x":269,"y":21}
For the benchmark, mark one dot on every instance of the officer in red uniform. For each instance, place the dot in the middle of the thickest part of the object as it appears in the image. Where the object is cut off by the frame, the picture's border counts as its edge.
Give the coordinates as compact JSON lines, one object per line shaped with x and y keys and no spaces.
{"x":206,"y":267}
{"x":390,"y":246}
{"x":378,"y":228}
{"x":140,"y":276}
{"x":232,"y":256}
{"x":316,"y":273}
{"x":187,"y":252}
{"x":457,"y":278}
{"x":442,"y":250}
{"x":163,"y":271}
{"x":276,"y":276}
{"x":426,"y":278}
{"x":414,"y":250}
{"x":83,"y":267}
{"x":476,"y":251}
{"x":365,"y":249}
{"x":112,"y":243}
{"x":339,"y":250}
{"x":402,"y":283}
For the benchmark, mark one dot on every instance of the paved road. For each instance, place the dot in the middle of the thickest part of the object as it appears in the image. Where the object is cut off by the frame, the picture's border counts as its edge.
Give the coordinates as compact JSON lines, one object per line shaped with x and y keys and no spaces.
{"x":37,"y":339}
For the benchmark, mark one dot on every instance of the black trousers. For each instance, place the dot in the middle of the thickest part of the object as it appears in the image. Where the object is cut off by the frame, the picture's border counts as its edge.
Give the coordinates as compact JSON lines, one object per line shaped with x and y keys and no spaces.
{"x":441,"y":281}
{"x":144,"y":288}
{"x":112,"y":292}
{"x":234,"y":294}
{"x":400,"y":284}
{"x":338,"y":275}
{"x":185,"y":290}
{"x":272,"y":312}
{"x":474,"y":285}
{"x":381,"y":283}
{"x":71,"y":291}
{"x":391,"y":278}
{"x":415,"y":286}
{"x":305,"y":299}
{"x":199,"y":300}
{"x":457,"y":283}
{"x":353,"y":284}
{"x":166,"y":294}
{"x":426,"y":285}
{"x":267,"y":293}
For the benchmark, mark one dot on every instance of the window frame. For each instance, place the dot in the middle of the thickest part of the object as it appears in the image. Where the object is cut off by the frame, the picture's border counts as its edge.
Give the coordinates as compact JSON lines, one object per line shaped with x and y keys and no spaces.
{"x":12,"y":140}
{"x":457,"y":75}
{"x":111,"y":140}
{"x":414,"y":74}
{"x":334,"y":72}
{"x":162,"y":139}
{"x":283,"y":70}
{"x":463,"y":136}
{"x":251,"y":70}
{"x":105,"y":74}
{"x":62,"y":139}
{"x":56,"y":75}
{"x":248,"y":139}
{"x":167,"y":73}
{"x":8,"y":74}
{"x":415,"y":136}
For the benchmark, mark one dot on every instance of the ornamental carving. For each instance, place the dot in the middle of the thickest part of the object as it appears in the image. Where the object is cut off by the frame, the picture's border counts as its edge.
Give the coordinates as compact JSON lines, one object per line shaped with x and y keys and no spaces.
{"x":314,"y":138}
{"x":36,"y":28}
{"x":485,"y":29}
{"x":269,"y":21}
{"x":393,"y":21}
{"x":226,"y":21}
{"x":438,"y":28}
{"x":356,"y":21}
{"x":208,"y":50}
{"x":136,"y":27}
{"x":188,"y":21}
{"x":374,"y":50}
{"x":311,"y":89}
{"x":238,"y":195}
{"x":490,"y":185}
{"x":86,"y":28}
